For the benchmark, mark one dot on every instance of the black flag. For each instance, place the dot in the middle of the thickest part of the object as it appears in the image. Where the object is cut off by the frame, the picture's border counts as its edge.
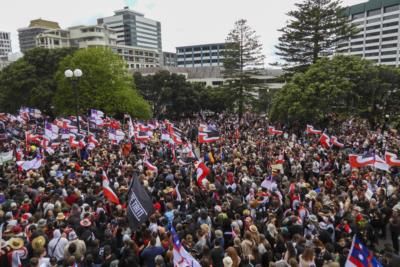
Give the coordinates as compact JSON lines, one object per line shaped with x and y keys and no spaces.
{"x":140,"y":206}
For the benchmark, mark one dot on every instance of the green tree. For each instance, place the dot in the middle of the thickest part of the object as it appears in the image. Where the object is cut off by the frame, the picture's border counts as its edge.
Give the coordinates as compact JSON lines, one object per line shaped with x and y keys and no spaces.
{"x":30,"y":80}
{"x":105,"y":85}
{"x":342,"y":85}
{"x":170,"y":94}
{"x":312,"y":30}
{"x":242,"y":57}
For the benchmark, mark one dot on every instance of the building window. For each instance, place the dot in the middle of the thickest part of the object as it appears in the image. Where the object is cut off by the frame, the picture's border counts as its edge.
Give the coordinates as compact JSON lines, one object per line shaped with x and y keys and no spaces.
{"x":390,"y":31}
{"x":374,"y":12}
{"x":372,"y":54}
{"x":372,"y":41}
{"x":391,"y":24}
{"x":391,"y":17}
{"x":388,"y":46}
{"x":373,"y":20}
{"x":373,"y":27}
{"x":372,"y":47}
{"x":357,"y":43}
{"x":391,"y":8}
{"x":394,"y":52}
{"x":358,"y":15}
{"x":388,"y":59}
{"x":372,"y":34}
{"x":217,"y":82}
{"x":357,"y":36}
{"x":389,"y":38}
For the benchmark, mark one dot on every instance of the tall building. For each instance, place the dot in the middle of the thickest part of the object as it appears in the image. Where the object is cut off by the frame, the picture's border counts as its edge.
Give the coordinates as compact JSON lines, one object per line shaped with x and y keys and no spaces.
{"x":378,"y":36}
{"x":5,"y":43}
{"x":133,"y":29}
{"x":27,"y":36}
{"x":200,"y":55}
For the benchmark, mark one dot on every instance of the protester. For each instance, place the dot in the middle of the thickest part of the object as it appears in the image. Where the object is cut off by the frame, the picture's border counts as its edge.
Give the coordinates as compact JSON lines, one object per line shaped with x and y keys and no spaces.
{"x":240,"y":197}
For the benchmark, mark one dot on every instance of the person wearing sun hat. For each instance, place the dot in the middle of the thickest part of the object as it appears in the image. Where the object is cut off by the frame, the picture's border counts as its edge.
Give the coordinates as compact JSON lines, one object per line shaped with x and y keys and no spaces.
{"x":86,"y":232}
{"x":17,"y":249}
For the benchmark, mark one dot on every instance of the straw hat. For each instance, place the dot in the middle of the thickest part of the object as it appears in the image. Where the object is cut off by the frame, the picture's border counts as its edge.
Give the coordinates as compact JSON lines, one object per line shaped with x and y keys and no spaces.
{"x":60,"y":216}
{"x":253,"y":228}
{"x":38,"y":243}
{"x":16,"y":243}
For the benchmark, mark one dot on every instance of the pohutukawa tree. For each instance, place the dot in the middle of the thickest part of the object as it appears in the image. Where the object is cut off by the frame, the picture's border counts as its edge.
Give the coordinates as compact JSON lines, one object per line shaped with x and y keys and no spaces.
{"x":242,"y":57}
{"x":312,"y":30}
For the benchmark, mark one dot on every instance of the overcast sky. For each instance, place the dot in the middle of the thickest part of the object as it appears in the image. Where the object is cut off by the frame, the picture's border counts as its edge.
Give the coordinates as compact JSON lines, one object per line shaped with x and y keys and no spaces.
{"x":183,"y":22}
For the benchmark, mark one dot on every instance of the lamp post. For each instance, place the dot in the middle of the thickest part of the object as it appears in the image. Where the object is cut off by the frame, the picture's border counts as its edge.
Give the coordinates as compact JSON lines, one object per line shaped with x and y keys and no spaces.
{"x":74,"y":76}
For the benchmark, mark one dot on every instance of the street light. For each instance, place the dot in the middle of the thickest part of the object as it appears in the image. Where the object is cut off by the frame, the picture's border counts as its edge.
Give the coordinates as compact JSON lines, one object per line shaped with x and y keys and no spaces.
{"x":74,"y":76}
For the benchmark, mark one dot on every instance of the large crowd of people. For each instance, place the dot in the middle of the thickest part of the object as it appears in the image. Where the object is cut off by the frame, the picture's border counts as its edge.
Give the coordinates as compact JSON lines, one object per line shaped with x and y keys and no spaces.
{"x":270,"y":200}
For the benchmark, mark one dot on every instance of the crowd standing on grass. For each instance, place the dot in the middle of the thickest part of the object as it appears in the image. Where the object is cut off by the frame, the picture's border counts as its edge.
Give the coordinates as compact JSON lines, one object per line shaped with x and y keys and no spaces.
{"x":268,"y":199}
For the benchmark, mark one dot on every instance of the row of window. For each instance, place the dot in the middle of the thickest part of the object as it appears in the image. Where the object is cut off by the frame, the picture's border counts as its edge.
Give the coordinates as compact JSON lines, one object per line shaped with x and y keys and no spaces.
{"x":377,"y":33}
{"x":376,"y":11}
{"x":201,"y":61}
{"x":390,"y":24}
{"x":204,"y":48}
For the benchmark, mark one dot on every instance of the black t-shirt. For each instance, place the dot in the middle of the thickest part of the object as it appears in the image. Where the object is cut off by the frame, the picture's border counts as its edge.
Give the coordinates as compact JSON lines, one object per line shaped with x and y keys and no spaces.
{"x":217,"y":255}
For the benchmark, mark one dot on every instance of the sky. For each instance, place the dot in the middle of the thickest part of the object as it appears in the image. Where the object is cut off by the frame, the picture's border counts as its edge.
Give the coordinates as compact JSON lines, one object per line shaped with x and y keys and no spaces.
{"x":183,"y":22}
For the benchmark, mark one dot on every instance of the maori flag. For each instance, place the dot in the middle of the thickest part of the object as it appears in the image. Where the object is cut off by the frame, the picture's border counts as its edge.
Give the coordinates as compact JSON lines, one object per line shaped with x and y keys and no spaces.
{"x":140,"y":205}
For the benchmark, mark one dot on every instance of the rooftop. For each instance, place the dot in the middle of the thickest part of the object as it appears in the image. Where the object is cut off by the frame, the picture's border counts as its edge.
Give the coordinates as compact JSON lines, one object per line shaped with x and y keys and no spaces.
{"x":41,"y":23}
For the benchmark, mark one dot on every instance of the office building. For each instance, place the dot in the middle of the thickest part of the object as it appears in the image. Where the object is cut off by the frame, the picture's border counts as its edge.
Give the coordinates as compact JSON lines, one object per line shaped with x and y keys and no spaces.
{"x":138,"y":57}
{"x":27,"y":36}
{"x":99,"y":36}
{"x":5,"y":43}
{"x":378,"y":36}
{"x":168,"y":59}
{"x":133,"y":29}
{"x":206,"y":55}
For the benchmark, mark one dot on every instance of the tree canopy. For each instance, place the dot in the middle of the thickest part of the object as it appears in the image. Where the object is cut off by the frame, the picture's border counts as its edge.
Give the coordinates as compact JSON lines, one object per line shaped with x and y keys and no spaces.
{"x":343,"y":85}
{"x":311,"y":31}
{"x":30,"y":80}
{"x":170,"y":94}
{"x":242,"y":55}
{"x":105,"y":85}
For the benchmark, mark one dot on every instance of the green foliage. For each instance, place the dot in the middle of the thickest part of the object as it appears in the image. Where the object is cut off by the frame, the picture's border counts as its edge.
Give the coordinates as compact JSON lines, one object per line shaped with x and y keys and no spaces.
{"x":342,"y":85}
{"x":170,"y":94}
{"x":313,"y":29}
{"x":105,"y":85}
{"x":243,"y":53}
{"x":30,"y":80}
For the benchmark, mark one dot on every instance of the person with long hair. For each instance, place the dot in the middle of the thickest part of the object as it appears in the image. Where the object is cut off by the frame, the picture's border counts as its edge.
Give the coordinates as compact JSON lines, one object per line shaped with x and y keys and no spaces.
{"x":231,"y":252}
{"x":307,"y":258}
